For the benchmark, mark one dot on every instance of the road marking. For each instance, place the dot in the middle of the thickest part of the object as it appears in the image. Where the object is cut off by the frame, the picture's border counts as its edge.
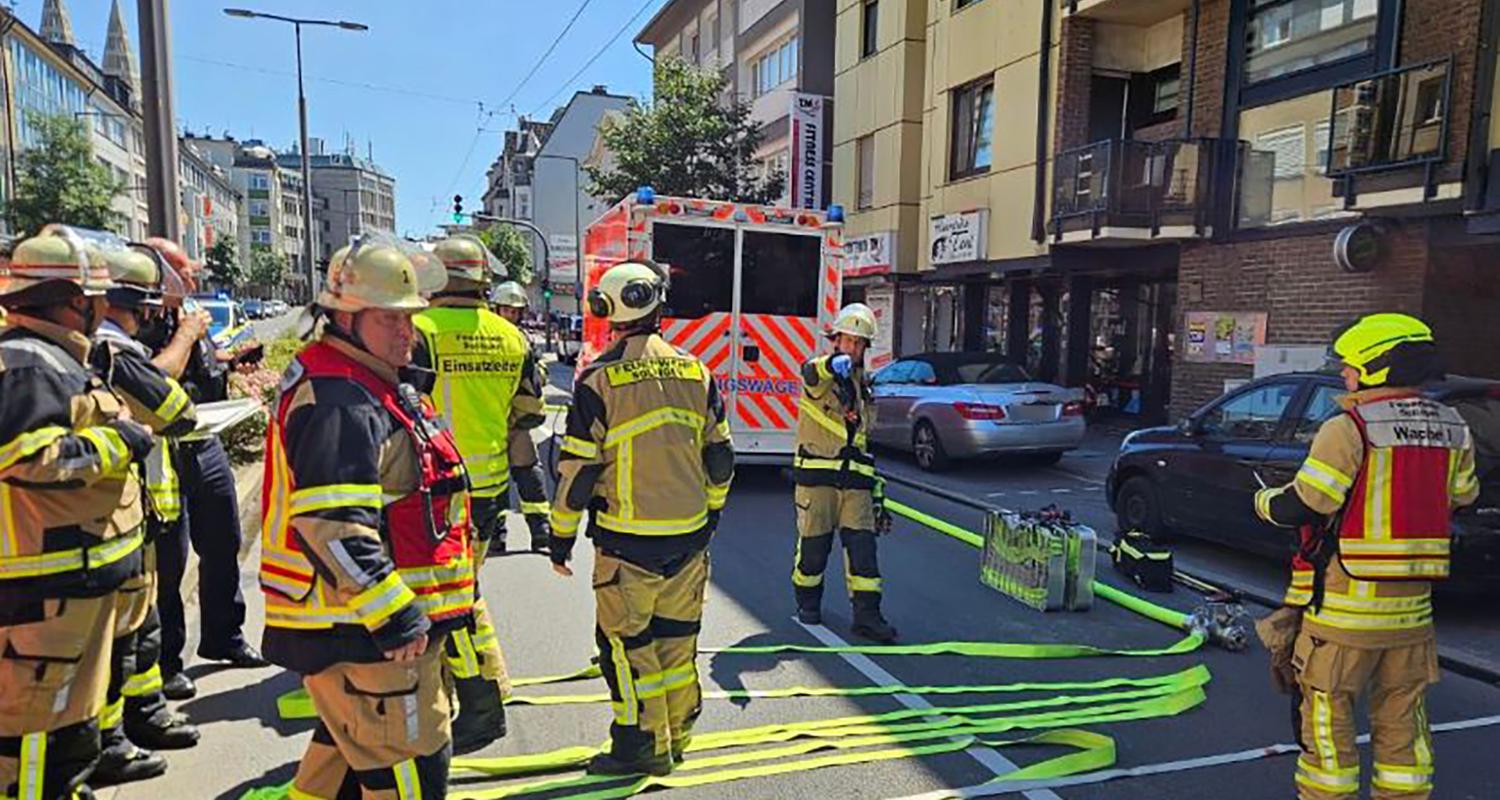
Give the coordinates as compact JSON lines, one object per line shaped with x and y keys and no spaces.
{"x":992,"y":760}
{"x":1075,"y":476}
{"x":1028,"y":492}
{"x":995,"y":494}
{"x":1062,"y":491}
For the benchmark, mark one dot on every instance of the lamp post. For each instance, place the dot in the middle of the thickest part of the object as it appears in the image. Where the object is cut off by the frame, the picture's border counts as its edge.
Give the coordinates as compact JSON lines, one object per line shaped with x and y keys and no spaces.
{"x":307,"y":221}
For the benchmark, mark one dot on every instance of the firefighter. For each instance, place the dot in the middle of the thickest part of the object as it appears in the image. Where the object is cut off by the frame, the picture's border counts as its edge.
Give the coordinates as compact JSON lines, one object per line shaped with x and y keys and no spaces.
{"x":135,"y":711}
{"x":647,"y":454}
{"x":510,"y":301}
{"x":837,"y":489}
{"x":365,"y":552}
{"x":73,"y":512}
{"x":1373,"y":500}
{"x":483,"y":389}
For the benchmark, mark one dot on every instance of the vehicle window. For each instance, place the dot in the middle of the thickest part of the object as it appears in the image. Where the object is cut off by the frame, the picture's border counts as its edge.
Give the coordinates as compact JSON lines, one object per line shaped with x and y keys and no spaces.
{"x":899,"y":372}
{"x":922,"y":372}
{"x":991,"y":373}
{"x":1252,"y":415}
{"x":1320,"y":407}
{"x":701,"y":263}
{"x":781,"y":274}
{"x":220,"y":314}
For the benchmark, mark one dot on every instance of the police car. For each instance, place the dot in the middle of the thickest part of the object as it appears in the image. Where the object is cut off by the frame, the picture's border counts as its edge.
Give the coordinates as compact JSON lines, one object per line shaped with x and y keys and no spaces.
{"x":231,"y":325}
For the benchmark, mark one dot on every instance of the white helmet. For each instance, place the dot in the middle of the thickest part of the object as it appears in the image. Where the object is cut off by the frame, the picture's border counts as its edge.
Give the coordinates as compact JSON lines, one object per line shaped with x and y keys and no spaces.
{"x":628,"y":291}
{"x":371,"y":274}
{"x":510,"y":293}
{"x":855,"y":319}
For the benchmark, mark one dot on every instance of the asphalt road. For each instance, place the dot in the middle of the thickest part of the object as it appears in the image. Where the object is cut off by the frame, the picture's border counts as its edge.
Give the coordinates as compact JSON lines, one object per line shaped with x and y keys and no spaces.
{"x":267,"y":329}
{"x":933,"y":596}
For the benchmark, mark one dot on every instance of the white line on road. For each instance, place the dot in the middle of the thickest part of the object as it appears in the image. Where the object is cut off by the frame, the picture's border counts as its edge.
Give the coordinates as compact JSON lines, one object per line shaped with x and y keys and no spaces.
{"x":996,"y":494}
{"x":1028,"y":492}
{"x":992,"y":760}
{"x":1062,"y":491}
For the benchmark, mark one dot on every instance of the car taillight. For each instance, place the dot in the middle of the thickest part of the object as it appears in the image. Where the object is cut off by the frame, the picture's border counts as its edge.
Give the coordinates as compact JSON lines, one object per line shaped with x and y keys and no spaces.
{"x":979,"y":411}
{"x":1073,"y":409}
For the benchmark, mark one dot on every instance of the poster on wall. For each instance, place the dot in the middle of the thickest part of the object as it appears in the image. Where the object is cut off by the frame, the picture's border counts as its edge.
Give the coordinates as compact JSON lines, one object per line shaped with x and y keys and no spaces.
{"x":871,"y":254}
{"x":807,"y":151}
{"x":881,"y":300}
{"x":1224,"y":337}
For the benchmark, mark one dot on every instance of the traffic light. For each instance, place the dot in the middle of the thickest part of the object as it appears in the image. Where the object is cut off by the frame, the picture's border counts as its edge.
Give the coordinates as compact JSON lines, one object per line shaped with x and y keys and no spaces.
{"x":547,"y":290}
{"x":458,"y":209}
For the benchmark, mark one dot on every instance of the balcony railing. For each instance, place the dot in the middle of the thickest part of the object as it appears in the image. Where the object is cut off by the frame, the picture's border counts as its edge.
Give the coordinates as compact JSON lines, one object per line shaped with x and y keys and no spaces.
{"x":1136,"y":190}
{"x":1392,"y":120}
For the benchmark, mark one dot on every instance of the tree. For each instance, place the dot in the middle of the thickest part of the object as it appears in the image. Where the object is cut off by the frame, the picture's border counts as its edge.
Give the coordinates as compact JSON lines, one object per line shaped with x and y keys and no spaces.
{"x":686,"y":142}
{"x":224,"y":264}
{"x":512,"y":248}
{"x":58,"y":180}
{"x":269,"y":268}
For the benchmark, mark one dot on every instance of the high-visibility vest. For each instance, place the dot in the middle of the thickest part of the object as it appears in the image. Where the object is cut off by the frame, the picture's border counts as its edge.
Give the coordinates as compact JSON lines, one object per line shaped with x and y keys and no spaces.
{"x":426,"y":531}
{"x":829,"y":453}
{"x":478,"y":357}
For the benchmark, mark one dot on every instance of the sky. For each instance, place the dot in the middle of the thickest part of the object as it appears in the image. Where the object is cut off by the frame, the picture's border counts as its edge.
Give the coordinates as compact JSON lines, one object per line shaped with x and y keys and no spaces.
{"x":430,"y":88}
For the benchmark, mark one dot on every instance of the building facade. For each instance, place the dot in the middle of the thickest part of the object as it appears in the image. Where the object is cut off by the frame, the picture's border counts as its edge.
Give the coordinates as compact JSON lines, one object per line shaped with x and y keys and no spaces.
{"x":508,"y":182}
{"x":210,"y":204}
{"x":270,"y":211}
{"x":351,"y":196}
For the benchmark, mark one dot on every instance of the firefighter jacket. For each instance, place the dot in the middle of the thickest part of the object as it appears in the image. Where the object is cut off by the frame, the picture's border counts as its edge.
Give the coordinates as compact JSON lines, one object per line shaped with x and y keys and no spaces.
{"x":646,"y":452}
{"x":365,"y":542}
{"x":486,"y":383}
{"x":1376,"y":494}
{"x":155,"y":400}
{"x":833,"y":424}
{"x":70,"y":503}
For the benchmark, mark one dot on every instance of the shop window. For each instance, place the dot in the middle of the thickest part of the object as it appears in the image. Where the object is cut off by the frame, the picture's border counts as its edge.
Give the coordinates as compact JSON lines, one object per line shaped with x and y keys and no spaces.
{"x":1283,"y":175}
{"x":865,"y":152}
{"x":972,"y":132}
{"x":1288,"y":36}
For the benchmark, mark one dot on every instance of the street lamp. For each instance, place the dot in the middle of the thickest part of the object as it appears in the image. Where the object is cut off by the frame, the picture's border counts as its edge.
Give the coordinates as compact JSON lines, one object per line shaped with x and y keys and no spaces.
{"x":307,"y":221}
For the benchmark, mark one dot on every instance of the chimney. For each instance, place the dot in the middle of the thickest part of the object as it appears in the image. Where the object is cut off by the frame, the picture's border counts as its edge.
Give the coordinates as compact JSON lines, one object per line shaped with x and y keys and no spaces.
{"x":600,"y":88}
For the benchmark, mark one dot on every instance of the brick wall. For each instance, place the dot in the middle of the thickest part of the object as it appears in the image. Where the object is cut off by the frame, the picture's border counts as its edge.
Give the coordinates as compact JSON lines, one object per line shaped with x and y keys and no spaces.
{"x":1436,"y":29}
{"x":1294,"y":280}
{"x":1460,"y":303}
{"x":1075,"y":73}
{"x":1213,"y":43}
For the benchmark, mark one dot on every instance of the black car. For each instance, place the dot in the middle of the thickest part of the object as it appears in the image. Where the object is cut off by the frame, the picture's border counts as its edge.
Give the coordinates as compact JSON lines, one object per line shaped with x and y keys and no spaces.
{"x":1198,"y":478}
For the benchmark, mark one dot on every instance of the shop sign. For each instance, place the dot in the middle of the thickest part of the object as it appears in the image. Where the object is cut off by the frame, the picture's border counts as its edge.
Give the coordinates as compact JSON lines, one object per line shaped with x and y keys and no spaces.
{"x":872,"y":254}
{"x":807,"y":151}
{"x":882,"y":301}
{"x":1224,"y":337}
{"x":958,"y":238}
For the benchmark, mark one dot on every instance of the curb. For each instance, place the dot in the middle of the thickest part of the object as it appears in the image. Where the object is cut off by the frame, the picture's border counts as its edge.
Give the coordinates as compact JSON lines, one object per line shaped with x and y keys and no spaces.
{"x":247,"y":479}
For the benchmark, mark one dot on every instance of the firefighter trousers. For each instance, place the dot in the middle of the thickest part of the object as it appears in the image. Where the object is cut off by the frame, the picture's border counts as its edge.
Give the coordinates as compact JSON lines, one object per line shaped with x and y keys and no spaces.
{"x":54,"y":662}
{"x":1331,"y":678}
{"x":823,"y":511}
{"x":531,"y":487}
{"x":647,"y":625}
{"x":383,"y":727}
{"x":473,"y":651}
{"x":133,"y":692}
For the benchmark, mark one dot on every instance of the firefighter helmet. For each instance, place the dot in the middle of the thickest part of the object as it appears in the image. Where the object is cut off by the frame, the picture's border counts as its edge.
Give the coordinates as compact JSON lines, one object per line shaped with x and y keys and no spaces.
{"x":1369,"y":344}
{"x":137,"y":277}
{"x":432,"y":274}
{"x":855,"y":319}
{"x":469,"y":263}
{"x":510,"y":294}
{"x":628,"y":291}
{"x":371,"y":274}
{"x":56,"y":255}
{"x":179,"y":263}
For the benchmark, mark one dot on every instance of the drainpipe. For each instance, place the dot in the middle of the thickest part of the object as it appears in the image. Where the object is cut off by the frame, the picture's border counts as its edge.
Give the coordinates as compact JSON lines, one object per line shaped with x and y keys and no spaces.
{"x":1476,"y":168}
{"x":1192,"y":68}
{"x":1044,"y":88}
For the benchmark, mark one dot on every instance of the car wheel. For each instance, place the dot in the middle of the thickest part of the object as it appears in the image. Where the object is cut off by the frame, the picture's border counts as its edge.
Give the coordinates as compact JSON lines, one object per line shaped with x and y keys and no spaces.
{"x":1137,"y":509}
{"x":927,"y":447}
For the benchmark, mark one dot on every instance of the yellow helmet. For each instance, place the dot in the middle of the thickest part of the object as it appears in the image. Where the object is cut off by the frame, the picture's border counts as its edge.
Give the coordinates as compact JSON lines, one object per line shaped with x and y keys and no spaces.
{"x":628,"y":291}
{"x":855,"y":319}
{"x":374,"y":275}
{"x":58,"y":254}
{"x":137,"y":277}
{"x":510,"y":294}
{"x":432,"y":275}
{"x":1367,"y":344}
{"x":468,"y":262}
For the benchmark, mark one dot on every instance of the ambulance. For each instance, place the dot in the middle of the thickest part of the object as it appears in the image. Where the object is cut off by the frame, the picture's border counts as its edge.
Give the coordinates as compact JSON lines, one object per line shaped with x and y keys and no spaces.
{"x":753,"y":288}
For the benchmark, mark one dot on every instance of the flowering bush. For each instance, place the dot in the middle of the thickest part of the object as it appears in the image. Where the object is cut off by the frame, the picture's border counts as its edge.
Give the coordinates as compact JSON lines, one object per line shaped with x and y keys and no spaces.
{"x":246,"y":441}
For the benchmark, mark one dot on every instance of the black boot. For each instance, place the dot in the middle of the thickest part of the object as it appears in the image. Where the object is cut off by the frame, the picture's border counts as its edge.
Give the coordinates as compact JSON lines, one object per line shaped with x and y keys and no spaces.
{"x":607,"y":764}
{"x":122,"y":762}
{"x":868,"y":622}
{"x":163,"y":730}
{"x":809,"y":605}
{"x":481,"y":715}
{"x":178,"y":686}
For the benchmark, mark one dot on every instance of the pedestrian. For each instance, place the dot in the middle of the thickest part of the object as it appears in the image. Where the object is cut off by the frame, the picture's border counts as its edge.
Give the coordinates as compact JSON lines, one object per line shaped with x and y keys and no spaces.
{"x":210,"y":523}
{"x":135,"y":712}
{"x":365,"y":551}
{"x":73,"y":514}
{"x":1373,"y":501}
{"x":647,"y":453}
{"x":526,"y":475}
{"x":837,"y":489}
{"x":485,"y":394}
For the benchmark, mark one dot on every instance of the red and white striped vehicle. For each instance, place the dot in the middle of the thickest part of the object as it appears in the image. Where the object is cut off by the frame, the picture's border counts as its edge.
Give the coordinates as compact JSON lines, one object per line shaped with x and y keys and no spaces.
{"x":752,"y":290}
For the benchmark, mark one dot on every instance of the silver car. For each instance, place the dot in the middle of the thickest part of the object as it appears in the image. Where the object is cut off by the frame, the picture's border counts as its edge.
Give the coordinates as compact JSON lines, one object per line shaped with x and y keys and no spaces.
{"x":946,"y":406}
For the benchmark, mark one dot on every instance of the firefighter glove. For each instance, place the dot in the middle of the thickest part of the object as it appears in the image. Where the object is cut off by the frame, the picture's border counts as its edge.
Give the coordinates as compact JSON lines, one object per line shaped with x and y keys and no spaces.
{"x":882,"y":517}
{"x":1278,"y":633}
{"x":560,"y":548}
{"x":841,"y":365}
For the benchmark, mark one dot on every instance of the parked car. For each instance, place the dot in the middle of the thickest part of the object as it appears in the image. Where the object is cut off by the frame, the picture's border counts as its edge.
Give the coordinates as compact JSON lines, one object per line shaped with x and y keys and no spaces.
{"x":275,"y":308}
{"x":570,"y":338}
{"x":255,"y":309}
{"x":946,"y":406}
{"x":1199,"y":477}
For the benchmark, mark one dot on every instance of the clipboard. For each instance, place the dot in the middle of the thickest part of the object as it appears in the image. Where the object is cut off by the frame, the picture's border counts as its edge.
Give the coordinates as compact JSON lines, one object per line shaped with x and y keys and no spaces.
{"x":216,"y":418}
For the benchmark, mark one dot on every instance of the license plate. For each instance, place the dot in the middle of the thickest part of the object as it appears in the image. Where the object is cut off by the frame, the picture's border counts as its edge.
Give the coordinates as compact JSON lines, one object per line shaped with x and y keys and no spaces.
{"x":1033,"y":412}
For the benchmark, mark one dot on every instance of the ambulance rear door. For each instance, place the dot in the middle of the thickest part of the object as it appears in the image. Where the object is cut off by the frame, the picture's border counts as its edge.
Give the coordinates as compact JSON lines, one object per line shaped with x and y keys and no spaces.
{"x":699,"y":313}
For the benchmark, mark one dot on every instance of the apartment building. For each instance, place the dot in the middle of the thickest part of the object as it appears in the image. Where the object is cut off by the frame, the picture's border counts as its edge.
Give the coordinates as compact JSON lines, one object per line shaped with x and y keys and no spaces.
{"x":209,"y":203}
{"x":351,"y":196}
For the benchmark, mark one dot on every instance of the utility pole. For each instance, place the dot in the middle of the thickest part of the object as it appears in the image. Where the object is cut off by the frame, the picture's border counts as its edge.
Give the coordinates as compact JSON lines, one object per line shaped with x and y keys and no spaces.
{"x":161,"y":127}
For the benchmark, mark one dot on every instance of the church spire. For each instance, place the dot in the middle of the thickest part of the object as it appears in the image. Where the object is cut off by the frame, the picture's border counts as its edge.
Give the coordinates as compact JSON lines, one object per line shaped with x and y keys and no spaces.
{"x":57,"y":26}
{"x":119,"y":59}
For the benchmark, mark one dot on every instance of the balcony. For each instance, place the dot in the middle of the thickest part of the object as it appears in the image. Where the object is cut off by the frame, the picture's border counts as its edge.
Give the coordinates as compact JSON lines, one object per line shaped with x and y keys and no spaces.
{"x":1127,"y":12}
{"x":1386,"y":128}
{"x":1125,"y":192}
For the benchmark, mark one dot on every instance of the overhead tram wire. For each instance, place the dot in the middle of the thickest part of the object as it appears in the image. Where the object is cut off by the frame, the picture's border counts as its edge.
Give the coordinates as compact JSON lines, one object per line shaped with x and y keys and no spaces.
{"x":550,"y":48}
{"x":597,"y":55}
{"x":374,"y":87}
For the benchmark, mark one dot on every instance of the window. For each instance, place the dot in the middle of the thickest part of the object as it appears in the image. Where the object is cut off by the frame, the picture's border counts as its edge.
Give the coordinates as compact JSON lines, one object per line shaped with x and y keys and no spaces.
{"x":1287,"y":36}
{"x":259,"y":181}
{"x":960,"y":4}
{"x":865,"y":151}
{"x":701,"y":264}
{"x":1167,"y":90}
{"x":1283,"y":178}
{"x":260,"y":208}
{"x":260,"y":236}
{"x":869,"y":40}
{"x":713,"y":30}
{"x":785,"y":268}
{"x":973,"y":128}
{"x":1250,"y":415}
{"x":694,"y":52}
{"x":899,"y":372}
{"x":777,"y":66}
{"x":1320,"y":407}
{"x":923,"y":372}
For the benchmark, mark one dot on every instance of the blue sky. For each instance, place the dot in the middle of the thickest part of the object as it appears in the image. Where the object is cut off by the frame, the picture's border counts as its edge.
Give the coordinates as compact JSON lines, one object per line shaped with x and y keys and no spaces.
{"x":410,"y":86}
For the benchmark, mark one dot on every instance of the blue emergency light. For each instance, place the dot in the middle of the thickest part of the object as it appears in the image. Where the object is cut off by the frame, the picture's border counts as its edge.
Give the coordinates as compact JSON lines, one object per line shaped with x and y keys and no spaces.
{"x":646,"y":196}
{"x":835,"y":212}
